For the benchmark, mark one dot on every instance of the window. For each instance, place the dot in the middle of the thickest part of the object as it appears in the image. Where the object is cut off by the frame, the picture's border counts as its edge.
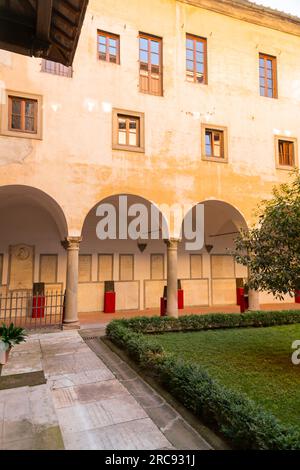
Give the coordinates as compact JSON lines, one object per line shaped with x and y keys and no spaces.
{"x":268,"y":76}
{"x":286,"y":152}
{"x":55,"y":68}
{"x":128,"y":130}
{"x":196,"y":59}
{"x":21,"y":115}
{"x":150,"y":64}
{"x":214,"y":143}
{"x":108,"y":47}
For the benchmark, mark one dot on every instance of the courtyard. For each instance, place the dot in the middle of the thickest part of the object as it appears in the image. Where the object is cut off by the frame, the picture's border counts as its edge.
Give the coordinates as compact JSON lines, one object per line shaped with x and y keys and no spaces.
{"x":57,"y":393}
{"x":256,"y":362}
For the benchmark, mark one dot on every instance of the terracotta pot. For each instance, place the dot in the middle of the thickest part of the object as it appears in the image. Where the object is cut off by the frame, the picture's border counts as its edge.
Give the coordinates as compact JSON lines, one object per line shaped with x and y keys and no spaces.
{"x":4,"y":357}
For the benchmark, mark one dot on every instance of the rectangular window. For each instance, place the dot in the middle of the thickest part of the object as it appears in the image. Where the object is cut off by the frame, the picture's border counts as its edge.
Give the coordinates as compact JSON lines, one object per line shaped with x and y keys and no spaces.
{"x":55,"y":68}
{"x":286,"y":152}
{"x":150,"y":64}
{"x":22,"y":114}
{"x":268,"y":76}
{"x":108,"y":46}
{"x":128,"y":131}
{"x":196,"y":59}
{"x":214,"y":143}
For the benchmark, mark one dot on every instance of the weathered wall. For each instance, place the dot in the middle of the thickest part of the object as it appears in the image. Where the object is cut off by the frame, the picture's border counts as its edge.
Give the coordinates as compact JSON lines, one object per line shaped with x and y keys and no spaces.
{"x":74,"y":162}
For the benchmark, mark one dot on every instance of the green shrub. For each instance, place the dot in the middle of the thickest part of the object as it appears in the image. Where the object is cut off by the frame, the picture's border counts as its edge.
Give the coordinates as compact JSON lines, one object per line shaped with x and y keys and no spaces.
{"x":238,"y":418}
{"x":212,"y":321}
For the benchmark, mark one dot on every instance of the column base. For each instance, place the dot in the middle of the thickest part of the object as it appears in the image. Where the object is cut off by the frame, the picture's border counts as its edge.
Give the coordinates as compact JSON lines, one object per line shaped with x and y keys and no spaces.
{"x":71,"y":326}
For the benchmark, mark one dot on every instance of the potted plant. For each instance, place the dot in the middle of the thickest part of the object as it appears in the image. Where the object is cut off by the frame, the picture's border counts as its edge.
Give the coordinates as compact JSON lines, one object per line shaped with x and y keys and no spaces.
{"x":9,"y":337}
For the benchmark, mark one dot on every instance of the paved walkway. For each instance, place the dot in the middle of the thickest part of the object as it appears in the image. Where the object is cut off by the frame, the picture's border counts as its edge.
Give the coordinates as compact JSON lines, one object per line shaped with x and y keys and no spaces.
{"x":95,"y":319}
{"x":86,"y":402}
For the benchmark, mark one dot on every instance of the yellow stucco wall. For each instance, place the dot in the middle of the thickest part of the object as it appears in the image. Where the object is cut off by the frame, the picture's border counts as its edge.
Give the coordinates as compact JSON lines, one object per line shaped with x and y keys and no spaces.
{"x":74,"y":162}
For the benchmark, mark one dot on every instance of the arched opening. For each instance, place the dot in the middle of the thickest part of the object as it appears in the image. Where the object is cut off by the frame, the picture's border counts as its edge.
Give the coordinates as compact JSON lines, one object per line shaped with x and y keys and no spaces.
{"x":133,"y":255}
{"x":32,"y":228}
{"x":208,"y":271}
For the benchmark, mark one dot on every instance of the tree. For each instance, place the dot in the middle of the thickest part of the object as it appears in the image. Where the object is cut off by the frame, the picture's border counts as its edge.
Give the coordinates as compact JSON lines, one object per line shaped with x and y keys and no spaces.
{"x":271,"y":250}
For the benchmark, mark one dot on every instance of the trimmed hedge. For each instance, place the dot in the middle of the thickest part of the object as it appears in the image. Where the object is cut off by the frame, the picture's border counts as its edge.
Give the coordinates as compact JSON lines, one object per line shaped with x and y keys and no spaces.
{"x":246,"y":424}
{"x":212,"y":321}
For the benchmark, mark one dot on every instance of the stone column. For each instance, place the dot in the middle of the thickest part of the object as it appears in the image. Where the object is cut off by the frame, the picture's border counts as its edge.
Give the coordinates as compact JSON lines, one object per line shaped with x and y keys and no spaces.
{"x":70,"y":320}
{"x":172,"y":278}
{"x":254,"y":304}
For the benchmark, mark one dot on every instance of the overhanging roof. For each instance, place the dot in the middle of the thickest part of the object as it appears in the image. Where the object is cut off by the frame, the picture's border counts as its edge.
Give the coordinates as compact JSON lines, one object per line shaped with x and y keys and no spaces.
{"x":42,"y":28}
{"x":251,"y":12}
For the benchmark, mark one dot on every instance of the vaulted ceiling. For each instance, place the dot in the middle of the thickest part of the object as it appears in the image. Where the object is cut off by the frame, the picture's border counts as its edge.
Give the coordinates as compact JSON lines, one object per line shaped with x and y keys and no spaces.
{"x":42,"y":28}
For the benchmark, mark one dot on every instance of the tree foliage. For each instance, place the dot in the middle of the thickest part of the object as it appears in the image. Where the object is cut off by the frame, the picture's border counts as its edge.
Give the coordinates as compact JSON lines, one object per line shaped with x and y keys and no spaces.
{"x":271,"y":250}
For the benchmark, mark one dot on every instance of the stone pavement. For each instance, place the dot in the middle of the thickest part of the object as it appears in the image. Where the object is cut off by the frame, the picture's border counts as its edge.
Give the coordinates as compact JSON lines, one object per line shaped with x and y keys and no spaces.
{"x":86,"y":403}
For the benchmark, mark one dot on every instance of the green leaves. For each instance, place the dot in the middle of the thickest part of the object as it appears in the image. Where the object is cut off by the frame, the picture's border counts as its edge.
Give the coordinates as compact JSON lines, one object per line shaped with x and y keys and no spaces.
{"x":12,"y":335}
{"x":245,"y":423}
{"x":272,"y":250}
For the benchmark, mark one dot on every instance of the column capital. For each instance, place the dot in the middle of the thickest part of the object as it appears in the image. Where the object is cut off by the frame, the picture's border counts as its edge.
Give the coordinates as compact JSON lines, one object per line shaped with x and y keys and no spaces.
{"x":172,"y":243}
{"x":71,"y":243}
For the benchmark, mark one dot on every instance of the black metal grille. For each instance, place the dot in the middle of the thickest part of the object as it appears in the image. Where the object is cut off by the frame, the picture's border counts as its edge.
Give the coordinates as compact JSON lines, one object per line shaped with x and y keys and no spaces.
{"x":32,"y":311}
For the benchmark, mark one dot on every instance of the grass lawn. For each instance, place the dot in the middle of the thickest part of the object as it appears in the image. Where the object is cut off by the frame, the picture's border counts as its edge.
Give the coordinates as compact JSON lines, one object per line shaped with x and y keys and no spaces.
{"x":255,"y":361}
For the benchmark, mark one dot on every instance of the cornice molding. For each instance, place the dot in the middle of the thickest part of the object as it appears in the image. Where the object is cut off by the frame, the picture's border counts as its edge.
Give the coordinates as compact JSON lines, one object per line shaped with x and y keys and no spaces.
{"x":246,"y":11}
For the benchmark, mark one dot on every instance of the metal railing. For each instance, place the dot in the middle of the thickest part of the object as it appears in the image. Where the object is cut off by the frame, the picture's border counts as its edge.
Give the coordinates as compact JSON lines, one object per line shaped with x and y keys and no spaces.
{"x":32,"y":311}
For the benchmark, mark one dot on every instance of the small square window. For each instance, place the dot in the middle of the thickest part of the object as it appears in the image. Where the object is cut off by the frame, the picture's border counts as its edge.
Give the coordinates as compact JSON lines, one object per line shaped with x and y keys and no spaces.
{"x":21,"y":115}
{"x":108,"y":47}
{"x":128,"y":130}
{"x":214,"y":146}
{"x":286,"y":152}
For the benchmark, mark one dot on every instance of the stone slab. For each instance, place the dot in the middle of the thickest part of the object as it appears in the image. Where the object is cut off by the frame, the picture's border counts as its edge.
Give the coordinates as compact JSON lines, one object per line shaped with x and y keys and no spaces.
{"x":134,"y":435}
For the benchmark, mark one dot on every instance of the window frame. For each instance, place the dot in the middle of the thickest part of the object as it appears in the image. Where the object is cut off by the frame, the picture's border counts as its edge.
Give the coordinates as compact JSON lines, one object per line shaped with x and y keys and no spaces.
{"x":212,"y":127}
{"x":274,"y":76}
{"x":115,"y":130}
{"x":57,"y":69}
{"x":149,"y":38}
{"x":109,"y":36}
{"x":23,"y":101}
{"x":5,"y":123}
{"x":196,"y":39}
{"x":292,"y":140}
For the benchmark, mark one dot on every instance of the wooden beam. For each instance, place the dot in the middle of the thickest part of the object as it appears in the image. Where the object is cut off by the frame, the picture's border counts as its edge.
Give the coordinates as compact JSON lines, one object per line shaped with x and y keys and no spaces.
{"x":15,"y":37}
{"x":43,"y":19}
